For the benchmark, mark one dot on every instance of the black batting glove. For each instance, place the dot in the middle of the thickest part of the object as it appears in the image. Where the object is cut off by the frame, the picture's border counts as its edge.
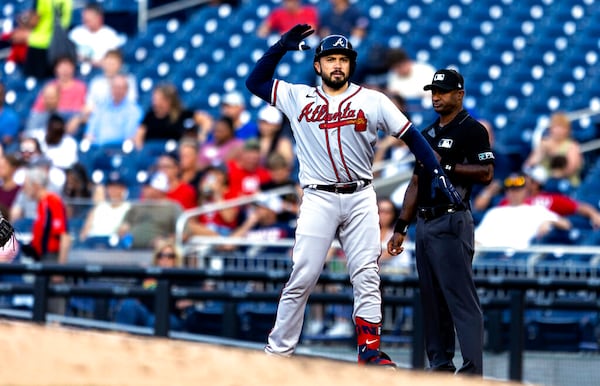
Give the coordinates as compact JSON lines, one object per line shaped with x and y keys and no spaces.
{"x":440,"y":182}
{"x":6,"y":231}
{"x":293,"y":40}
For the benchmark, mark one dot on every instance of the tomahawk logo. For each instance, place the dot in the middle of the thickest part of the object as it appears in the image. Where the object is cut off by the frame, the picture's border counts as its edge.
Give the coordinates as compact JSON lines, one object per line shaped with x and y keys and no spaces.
{"x":439,"y":77}
{"x":341,"y":42}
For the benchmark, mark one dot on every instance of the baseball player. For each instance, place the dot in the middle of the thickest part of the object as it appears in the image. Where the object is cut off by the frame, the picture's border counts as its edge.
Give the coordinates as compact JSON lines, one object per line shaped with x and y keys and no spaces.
{"x":444,"y":242}
{"x":335,"y":127}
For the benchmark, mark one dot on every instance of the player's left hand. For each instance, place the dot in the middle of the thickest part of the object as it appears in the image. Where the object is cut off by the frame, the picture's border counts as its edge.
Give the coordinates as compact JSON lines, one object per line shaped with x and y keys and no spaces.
{"x":293,"y":40}
{"x":6,"y":231}
{"x":440,"y":182}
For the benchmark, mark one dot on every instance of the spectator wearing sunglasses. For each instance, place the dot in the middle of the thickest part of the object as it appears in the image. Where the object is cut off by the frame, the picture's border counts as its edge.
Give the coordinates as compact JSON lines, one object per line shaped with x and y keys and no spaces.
{"x":141,"y":312}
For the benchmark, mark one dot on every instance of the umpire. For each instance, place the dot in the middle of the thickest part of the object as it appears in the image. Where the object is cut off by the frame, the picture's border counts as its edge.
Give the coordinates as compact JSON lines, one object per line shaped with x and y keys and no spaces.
{"x":444,"y":239}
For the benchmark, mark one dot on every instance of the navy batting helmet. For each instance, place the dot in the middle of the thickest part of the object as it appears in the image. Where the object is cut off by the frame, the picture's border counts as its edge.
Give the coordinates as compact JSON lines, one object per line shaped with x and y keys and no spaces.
{"x":335,"y":44}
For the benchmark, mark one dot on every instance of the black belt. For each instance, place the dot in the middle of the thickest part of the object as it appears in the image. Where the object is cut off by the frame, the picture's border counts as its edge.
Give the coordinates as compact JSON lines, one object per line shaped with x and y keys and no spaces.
{"x":342,"y":187}
{"x":430,"y":213}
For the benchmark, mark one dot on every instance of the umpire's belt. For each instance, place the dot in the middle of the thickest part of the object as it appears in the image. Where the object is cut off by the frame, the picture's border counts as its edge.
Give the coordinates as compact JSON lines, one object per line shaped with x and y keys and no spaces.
{"x":342,"y":187}
{"x":429,"y":213}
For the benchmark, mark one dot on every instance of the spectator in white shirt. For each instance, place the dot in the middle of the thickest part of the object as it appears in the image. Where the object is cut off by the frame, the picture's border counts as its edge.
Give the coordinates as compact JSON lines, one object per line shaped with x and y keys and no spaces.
{"x":99,"y":88}
{"x":60,"y":147}
{"x":406,"y":77}
{"x":93,"y":38}
{"x":517,"y":224}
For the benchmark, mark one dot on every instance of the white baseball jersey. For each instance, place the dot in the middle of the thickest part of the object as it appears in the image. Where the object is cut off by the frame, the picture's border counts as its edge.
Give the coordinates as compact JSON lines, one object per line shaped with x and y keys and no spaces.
{"x":336,"y":135}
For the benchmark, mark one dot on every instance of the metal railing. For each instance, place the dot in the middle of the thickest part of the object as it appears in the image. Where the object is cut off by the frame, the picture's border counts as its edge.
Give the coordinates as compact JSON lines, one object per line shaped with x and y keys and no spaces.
{"x":244,"y":200}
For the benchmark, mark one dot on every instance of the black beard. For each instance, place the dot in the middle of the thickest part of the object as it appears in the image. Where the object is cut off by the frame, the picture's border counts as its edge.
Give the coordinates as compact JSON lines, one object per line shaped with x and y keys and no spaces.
{"x":334,"y":84}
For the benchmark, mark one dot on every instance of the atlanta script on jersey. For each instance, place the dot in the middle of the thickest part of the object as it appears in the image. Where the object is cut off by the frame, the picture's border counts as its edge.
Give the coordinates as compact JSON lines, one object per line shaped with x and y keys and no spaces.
{"x":339,"y":131}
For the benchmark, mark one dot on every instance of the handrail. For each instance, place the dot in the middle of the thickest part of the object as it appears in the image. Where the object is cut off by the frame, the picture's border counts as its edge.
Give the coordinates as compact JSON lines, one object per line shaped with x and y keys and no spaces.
{"x":145,"y":14}
{"x":186,"y":215}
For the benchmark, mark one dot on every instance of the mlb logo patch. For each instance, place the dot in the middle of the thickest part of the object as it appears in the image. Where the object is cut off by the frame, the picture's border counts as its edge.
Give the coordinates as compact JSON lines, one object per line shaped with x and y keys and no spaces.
{"x":438,"y":77}
{"x":445,"y":143}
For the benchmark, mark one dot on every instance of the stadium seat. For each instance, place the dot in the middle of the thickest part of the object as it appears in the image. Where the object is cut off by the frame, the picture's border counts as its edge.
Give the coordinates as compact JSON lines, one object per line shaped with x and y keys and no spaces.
{"x":554,"y":334}
{"x":256,"y":321}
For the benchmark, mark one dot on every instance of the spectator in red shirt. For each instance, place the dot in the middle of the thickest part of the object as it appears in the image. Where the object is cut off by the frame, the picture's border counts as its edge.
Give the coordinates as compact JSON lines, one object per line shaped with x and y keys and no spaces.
{"x":50,"y":240}
{"x":179,"y":191}
{"x":72,"y":91}
{"x":283,"y":18}
{"x":246,"y":175}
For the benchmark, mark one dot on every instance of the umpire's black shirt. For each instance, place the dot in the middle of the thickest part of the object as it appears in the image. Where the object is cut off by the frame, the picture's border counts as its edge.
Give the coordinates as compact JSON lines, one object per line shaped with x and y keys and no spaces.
{"x":463,"y":140}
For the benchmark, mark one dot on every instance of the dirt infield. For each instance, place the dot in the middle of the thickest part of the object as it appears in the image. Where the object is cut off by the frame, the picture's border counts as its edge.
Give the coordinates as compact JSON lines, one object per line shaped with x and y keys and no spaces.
{"x":52,"y":355}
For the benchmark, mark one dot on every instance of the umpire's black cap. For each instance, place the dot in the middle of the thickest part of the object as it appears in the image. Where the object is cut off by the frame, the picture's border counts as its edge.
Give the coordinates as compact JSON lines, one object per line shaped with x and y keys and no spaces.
{"x":446,"y":79}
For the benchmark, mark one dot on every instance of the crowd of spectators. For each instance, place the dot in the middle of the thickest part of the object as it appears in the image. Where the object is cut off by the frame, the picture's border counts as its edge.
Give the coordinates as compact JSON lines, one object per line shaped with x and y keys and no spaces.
{"x":216,"y":158}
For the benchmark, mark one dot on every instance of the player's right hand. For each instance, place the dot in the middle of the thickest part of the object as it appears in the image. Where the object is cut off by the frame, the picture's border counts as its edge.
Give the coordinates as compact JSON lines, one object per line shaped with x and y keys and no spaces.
{"x":394,"y":245}
{"x":293,"y":40}
{"x":440,"y":182}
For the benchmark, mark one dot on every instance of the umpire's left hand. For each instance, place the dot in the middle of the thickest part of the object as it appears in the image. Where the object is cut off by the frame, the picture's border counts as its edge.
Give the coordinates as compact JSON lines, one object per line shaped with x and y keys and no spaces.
{"x":394,"y":245}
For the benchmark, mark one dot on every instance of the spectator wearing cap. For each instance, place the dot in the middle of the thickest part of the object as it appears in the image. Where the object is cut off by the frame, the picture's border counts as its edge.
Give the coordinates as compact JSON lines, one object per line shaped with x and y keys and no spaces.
{"x":516,"y":224}
{"x":223,"y":146}
{"x":178,"y":190}
{"x":103,"y":220}
{"x":153,"y":219}
{"x":559,"y":203}
{"x":271,"y":137}
{"x":246,"y":174}
{"x":233,"y":105}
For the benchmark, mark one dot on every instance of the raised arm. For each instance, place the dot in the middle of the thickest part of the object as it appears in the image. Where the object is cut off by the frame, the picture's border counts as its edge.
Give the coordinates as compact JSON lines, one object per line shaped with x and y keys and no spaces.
{"x":260,"y":80}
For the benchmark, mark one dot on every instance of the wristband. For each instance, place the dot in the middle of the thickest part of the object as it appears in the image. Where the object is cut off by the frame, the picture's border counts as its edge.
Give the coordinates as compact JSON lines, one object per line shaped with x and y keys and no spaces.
{"x":401,"y":227}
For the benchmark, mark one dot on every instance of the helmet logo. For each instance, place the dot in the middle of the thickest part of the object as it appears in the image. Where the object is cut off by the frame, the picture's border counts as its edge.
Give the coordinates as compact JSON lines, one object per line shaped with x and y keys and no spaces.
{"x":341,"y":42}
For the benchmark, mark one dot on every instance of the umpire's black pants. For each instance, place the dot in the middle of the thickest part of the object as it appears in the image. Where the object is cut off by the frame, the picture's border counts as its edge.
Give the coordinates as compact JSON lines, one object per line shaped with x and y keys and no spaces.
{"x":444,"y":254}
